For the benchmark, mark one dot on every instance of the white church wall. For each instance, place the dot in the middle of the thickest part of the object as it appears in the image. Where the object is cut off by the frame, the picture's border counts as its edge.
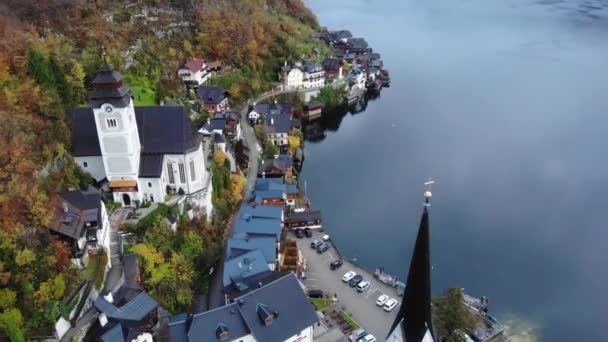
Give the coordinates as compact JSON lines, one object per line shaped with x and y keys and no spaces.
{"x":93,"y":165}
{"x":152,"y":189}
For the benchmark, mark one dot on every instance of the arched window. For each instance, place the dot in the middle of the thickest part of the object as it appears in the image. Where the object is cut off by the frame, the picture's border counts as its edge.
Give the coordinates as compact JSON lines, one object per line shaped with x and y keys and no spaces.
{"x":192,"y":174}
{"x":182,"y":173}
{"x":170,"y":172}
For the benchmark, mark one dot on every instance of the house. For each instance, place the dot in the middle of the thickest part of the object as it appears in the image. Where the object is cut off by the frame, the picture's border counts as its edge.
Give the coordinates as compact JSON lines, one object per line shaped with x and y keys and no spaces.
{"x":238,"y":270}
{"x":333,"y":68}
{"x":313,"y":111}
{"x":214,"y":98}
{"x":276,"y":311}
{"x":127,"y":320}
{"x":292,"y":76}
{"x":214,"y":66}
{"x":144,"y":153}
{"x":357,"y":45}
{"x":264,"y":110}
{"x":302,"y":75}
{"x":80,"y":218}
{"x":335,"y":36}
{"x":194,"y":72}
{"x":226,"y":123}
{"x":314,"y":75}
{"x":277,"y":127}
{"x":273,"y":192}
{"x":259,"y":221}
{"x":242,"y":243}
{"x":276,"y":168}
{"x":303,"y":219}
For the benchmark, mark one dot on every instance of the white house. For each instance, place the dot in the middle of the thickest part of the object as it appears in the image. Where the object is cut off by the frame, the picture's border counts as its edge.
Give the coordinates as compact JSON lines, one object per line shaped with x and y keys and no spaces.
{"x":302,"y":75}
{"x":145,"y":153}
{"x":194,"y":72}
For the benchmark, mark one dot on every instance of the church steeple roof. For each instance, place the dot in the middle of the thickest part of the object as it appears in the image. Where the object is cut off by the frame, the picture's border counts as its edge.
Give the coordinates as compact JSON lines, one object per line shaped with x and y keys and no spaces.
{"x":108,"y":87}
{"x":414,"y":317}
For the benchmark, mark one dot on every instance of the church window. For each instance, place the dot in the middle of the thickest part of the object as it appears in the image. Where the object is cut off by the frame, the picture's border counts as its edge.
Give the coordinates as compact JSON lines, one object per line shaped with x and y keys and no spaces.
{"x":149,"y":184}
{"x":182,"y":174}
{"x":111,"y":123}
{"x":85,"y":164}
{"x":192,"y":174}
{"x":170,"y":172}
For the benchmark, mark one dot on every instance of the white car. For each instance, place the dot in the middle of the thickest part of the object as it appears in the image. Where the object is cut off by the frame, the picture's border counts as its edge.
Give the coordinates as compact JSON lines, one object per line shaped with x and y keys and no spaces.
{"x":362,"y":286}
{"x":382,"y":299}
{"x":368,"y":338}
{"x":390,"y":305}
{"x":348,"y":276}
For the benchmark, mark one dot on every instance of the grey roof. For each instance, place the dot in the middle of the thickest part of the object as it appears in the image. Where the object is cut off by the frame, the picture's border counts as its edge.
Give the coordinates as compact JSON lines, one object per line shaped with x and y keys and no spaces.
{"x":332,"y":63}
{"x":299,"y":154}
{"x":285,"y":300}
{"x":341,"y":34}
{"x":83,"y":209}
{"x":294,"y":217}
{"x":135,"y":310}
{"x":242,"y":243}
{"x":162,"y":130}
{"x":178,"y":331}
{"x":211,"y":94}
{"x":219,"y":138}
{"x":357,"y":43}
{"x":273,"y":108}
{"x":268,"y":164}
{"x":116,"y":333}
{"x":277,"y":123}
{"x":238,"y":269}
{"x":204,"y":325}
{"x":313,"y":105}
{"x":374,"y":55}
{"x":131,"y":271}
{"x":312,"y":67}
{"x":150,"y":165}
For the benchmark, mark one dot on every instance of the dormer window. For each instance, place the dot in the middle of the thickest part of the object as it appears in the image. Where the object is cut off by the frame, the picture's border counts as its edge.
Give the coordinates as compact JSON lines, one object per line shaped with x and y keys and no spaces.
{"x":264,"y":314}
{"x":221,"y":332}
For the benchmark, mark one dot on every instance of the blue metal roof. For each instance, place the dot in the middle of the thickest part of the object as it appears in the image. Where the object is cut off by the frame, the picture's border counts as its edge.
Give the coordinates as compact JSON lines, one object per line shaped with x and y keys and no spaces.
{"x":240,"y":244}
{"x":238,"y":269}
{"x":250,"y":212}
{"x":259,"y":226}
{"x":260,"y":195}
{"x":177,"y":328}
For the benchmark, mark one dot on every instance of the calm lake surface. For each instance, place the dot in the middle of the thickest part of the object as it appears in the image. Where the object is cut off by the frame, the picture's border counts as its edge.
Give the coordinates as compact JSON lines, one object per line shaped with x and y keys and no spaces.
{"x":505,"y":104}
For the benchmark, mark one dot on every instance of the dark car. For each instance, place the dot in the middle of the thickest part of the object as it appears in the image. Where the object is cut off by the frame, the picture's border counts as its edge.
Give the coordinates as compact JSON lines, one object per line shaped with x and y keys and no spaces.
{"x":322,"y":248}
{"x":308,"y":232}
{"x":335,"y":264}
{"x":299,"y":233}
{"x":315,"y":294}
{"x":355,"y":281}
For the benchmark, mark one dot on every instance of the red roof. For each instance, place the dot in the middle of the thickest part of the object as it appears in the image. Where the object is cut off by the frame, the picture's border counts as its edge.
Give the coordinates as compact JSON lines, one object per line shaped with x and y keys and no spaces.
{"x":195,"y":64}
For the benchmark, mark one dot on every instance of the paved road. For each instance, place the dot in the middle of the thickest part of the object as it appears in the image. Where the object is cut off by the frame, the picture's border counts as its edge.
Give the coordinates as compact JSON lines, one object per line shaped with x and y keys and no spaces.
{"x":361,"y":306}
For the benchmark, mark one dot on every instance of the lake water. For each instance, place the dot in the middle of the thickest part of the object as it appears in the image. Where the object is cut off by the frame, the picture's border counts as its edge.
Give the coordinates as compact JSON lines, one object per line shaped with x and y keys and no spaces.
{"x":504,"y":103}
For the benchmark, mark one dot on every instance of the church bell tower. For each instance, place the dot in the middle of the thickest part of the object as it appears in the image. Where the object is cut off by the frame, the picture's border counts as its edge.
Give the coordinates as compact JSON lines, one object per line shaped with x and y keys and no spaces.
{"x":112,"y":104}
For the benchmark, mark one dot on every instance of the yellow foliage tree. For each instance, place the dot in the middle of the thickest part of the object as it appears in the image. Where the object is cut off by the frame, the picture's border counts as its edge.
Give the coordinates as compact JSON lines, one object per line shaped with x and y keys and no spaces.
{"x":294,"y":143}
{"x":237,"y":184}
{"x":219,"y":157}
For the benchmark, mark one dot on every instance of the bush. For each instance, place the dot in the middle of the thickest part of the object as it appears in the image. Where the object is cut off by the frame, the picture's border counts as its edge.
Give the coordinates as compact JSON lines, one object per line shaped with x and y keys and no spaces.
{"x":180,"y":192}
{"x":349,"y":320}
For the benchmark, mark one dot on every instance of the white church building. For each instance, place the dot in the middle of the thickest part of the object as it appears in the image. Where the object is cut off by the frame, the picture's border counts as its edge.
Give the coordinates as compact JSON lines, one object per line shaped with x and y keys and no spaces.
{"x":144,"y":153}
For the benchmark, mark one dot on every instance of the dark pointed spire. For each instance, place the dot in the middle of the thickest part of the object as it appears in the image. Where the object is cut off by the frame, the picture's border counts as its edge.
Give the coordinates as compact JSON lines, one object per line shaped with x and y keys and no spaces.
{"x":108,"y":87}
{"x":414,"y":316}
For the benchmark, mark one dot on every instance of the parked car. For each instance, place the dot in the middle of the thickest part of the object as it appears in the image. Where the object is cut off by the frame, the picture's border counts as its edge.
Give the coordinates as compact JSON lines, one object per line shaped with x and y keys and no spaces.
{"x":390,"y":305}
{"x":355,"y":281}
{"x":382,"y":299}
{"x":348,"y":276}
{"x":315,"y":244}
{"x":368,"y":338}
{"x":363,"y":285}
{"x":357,"y":334}
{"x":299,"y":233}
{"x":308,"y":232}
{"x":335,"y":264}
{"x":315,"y":294}
{"x":322,"y":248}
